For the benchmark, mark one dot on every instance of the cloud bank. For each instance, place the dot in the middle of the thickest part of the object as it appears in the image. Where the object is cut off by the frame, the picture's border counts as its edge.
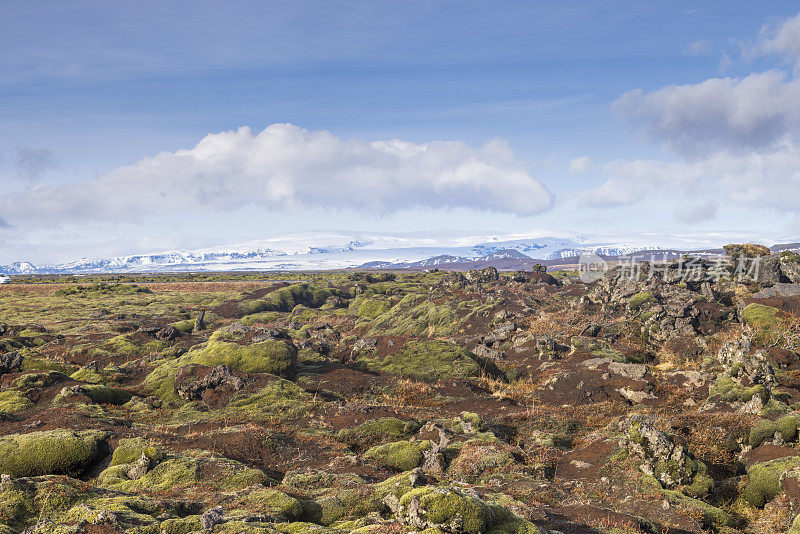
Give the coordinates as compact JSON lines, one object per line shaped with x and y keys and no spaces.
{"x":720,"y":113}
{"x":285,"y":167}
{"x":737,"y":139}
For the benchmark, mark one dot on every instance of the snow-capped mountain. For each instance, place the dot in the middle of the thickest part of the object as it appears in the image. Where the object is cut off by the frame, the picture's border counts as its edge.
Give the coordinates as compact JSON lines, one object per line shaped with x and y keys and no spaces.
{"x":336,"y":250}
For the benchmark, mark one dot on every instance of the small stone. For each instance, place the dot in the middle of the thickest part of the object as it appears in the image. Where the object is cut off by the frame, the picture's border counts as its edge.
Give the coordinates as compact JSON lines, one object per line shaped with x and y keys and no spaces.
{"x":140,"y":468}
{"x":211,"y":517}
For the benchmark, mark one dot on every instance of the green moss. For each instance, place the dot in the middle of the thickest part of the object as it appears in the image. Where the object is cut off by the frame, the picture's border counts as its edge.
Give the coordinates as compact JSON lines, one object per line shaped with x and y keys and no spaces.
{"x":242,"y":477}
{"x":397,"y":485}
{"x":130,"y":449}
{"x":278,"y":400}
{"x":275,"y":503}
{"x":14,"y":401}
{"x":185,"y":326}
{"x":505,"y":522}
{"x":309,"y":480}
{"x":417,"y":317}
{"x":130,"y":510}
{"x":182,"y":525}
{"x":731,"y":391}
{"x":343,"y":503}
{"x":700,"y":486}
{"x":468,"y":422}
{"x":763,"y":480}
{"x":795,"y":528}
{"x":748,"y":250}
{"x":378,"y":430}
{"x":788,"y":427}
{"x":759,"y":315}
{"x":442,"y":506}
{"x":233,"y":526}
{"x":102,"y":289}
{"x":640,"y":299}
{"x":43,"y":364}
{"x":285,"y":299}
{"x":429,"y":360}
{"x":50,"y":452}
{"x":371,"y":308}
{"x":712,"y":516}
{"x":122,"y":345}
{"x":400,"y":455}
{"x":167,"y":475}
{"x":272,"y":356}
{"x":762,"y":431}
{"x":16,"y":506}
{"x":87,"y":375}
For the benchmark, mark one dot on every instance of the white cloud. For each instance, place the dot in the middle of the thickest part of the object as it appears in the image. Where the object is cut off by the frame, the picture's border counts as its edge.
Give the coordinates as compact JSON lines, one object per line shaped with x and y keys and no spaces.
{"x":285,"y":167}
{"x":767,"y":179}
{"x":754,"y":112}
{"x":739,"y":137}
{"x":699,"y":48}
{"x":781,"y":40}
{"x":581,"y":164}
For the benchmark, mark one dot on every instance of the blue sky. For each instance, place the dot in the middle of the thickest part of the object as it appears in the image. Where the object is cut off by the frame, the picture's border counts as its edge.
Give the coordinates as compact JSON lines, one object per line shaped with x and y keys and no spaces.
{"x":89,"y":90}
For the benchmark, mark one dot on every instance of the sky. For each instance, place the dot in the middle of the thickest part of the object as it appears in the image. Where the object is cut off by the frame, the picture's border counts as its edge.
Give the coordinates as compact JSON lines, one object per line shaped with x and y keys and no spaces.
{"x":145,"y":126}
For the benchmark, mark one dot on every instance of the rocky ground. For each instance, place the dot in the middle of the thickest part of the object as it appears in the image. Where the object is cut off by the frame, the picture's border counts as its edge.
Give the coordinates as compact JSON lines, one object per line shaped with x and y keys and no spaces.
{"x":477,"y":402}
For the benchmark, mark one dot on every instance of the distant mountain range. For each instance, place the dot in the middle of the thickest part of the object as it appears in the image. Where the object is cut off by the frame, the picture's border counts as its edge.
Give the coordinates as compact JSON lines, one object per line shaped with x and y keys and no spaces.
{"x":339,"y":250}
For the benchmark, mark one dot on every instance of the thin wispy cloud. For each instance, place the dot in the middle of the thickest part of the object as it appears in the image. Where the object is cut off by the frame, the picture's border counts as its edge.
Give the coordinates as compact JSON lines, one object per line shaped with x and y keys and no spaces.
{"x":581,"y":164}
{"x":31,"y":163}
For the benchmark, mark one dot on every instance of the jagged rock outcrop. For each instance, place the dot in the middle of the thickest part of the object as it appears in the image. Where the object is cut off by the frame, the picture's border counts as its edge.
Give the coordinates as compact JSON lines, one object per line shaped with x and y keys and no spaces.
{"x":662,"y":458}
{"x":216,"y":377}
{"x":479,"y":276}
{"x":10,"y":362}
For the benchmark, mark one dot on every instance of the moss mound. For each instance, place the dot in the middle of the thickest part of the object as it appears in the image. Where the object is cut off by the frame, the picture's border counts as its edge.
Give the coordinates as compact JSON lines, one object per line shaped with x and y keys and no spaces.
{"x":372,"y":307}
{"x":275,"y":357}
{"x":429,"y":507}
{"x":640,"y":299}
{"x":761,"y":432}
{"x":760,"y":316}
{"x":378,"y":430}
{"x":748,"y":250}
{"x":285,"y":299}
{"x":167,"y":475}
{"x":62,"y":452}
{"x":14,"y":401}
{"x":400,"y":455}
{"x":341,"y":504}
{"x":729,"y":390}
{"x":764,"y":480}
{"x":787,"y":426}
{"x":274,"y":502}
{"x":416,"y":316}
{"x":429,"y":360}
{"x":131,"y":449}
